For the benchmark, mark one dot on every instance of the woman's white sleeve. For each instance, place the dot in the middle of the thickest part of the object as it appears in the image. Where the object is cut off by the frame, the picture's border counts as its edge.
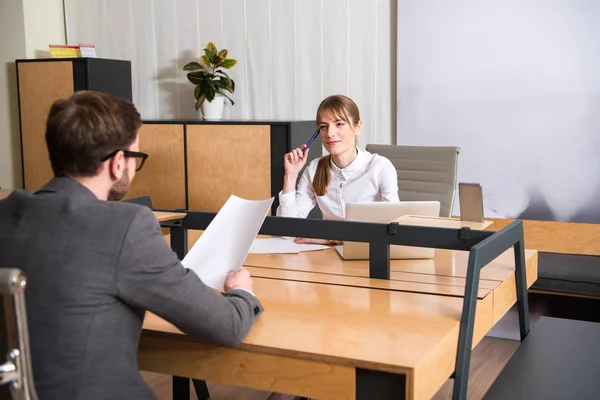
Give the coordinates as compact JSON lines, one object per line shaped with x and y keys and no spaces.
{"x":299,"y":203}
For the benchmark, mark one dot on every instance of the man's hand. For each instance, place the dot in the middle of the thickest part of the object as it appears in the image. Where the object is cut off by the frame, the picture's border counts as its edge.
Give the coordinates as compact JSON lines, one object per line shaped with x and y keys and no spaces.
{"x":238,"y":280}
{"x":318,"y":241}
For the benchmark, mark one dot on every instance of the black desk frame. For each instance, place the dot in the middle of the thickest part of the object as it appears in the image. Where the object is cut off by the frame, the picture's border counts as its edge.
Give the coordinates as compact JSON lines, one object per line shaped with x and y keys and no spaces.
{"x":483,"y":246}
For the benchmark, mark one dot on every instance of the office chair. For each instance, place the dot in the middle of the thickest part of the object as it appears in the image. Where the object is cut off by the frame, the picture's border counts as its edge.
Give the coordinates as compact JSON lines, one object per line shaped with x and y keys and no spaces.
{"x":16,"y":371}
{"x":425,"y":173}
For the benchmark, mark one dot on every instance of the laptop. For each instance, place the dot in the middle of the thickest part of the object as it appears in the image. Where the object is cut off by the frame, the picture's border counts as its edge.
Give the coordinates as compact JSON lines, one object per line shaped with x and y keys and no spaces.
{"x":385,"y":212}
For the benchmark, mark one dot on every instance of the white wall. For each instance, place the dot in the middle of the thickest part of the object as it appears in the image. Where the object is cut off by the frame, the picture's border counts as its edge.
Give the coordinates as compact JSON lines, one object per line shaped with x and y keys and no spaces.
{"x":12,"y":46}
{"x":291,"y":53}
{"x":27,"y":27}
{"x":44,"y":25}
{"x":515,"y":84}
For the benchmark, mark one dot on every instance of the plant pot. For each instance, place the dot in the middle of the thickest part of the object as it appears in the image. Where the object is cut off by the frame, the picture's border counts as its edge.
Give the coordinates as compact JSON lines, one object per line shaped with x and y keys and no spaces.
{"x":213,"y":110}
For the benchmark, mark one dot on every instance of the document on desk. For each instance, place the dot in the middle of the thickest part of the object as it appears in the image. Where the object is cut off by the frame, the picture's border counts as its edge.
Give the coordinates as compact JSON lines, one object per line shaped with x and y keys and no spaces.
{"x":225,"y":243}
{"x":282,"y":246}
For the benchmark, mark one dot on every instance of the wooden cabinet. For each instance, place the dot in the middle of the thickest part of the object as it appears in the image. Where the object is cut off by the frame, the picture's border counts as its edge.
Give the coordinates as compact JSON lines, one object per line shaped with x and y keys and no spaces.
{"x":43,"y":81}
{"x":197,"y":165}
{"x":193,"y":164}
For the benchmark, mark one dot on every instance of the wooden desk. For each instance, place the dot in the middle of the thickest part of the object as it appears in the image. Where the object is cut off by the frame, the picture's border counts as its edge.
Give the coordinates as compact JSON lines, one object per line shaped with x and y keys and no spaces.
{"x":330,"y":332}
{"x":165,"y":216}
{"x":441,"y":222}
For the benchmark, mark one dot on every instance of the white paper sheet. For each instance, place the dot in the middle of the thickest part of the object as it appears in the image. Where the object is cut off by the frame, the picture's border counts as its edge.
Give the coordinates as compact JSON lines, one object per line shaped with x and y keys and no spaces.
{"x":225,"y":243}
{"x":282,"y":246}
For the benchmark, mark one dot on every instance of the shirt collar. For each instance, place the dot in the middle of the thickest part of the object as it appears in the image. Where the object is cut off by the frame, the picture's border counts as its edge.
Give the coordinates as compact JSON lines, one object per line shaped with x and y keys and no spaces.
{"x":355,"y":165}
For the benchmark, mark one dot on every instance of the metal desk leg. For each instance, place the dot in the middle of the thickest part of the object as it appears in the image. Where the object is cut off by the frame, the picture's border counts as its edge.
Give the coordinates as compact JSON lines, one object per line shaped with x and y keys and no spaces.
{"x":201,"y":389}
{"x":181,"y":388}
{"x":179,"y":242}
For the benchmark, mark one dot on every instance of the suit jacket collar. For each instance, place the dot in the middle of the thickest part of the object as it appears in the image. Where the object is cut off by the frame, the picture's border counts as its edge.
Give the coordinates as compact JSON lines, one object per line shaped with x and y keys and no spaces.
{"x":61,"y":184}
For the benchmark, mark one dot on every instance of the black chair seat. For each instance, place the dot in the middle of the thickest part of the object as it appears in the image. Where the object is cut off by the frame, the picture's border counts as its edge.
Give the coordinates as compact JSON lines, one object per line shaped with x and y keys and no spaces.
{"x":559,"y":359}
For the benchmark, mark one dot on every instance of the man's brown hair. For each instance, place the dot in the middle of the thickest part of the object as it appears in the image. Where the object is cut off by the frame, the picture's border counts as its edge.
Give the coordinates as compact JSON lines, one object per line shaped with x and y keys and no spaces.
{"x":86,"y":127}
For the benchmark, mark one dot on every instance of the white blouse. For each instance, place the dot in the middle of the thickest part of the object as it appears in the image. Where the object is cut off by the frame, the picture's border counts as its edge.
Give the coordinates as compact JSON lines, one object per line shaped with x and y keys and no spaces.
{"x":370,"y":177}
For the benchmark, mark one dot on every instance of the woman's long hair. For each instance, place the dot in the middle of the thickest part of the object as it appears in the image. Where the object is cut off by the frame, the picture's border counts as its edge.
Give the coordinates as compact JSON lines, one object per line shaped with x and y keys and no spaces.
{"x":342,"y":107}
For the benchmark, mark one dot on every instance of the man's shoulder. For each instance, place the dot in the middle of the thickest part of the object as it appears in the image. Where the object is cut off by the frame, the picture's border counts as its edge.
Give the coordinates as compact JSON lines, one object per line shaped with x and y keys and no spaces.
{"x":121,"y":213}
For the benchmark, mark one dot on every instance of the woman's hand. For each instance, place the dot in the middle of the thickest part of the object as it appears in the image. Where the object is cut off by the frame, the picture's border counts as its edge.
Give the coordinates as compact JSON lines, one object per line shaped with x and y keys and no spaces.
{"x":317,"y":241}
{"x":294,"y":161}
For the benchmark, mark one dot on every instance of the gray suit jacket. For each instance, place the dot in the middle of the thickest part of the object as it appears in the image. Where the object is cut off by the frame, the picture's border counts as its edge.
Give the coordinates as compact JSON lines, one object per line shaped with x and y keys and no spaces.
{"x":94,"y":267}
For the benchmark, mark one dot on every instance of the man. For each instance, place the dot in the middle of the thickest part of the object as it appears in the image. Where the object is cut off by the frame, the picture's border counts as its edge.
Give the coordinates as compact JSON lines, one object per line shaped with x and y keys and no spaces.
{"x":95,"y":265}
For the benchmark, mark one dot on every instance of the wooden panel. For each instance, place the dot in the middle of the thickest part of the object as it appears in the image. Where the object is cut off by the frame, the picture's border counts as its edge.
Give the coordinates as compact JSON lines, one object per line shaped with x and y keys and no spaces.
{"x":376,"y":329}
{"x":505,"y":295}
{"x":242,"y":368}
{"x":40,"y":85}
{"x":557,"y":237}
{"x":439,"y":365}
{"x":441,"y":222}
{"x":447,"y":268}
{"x":445,"y":264}
{"x":4,"y":193}
{"x":390,"y":331}
{"x":225,"y":160}
{"x":163,"y":176}
{"x":163,"y":216}
{"x":329,"y":262}
{"x":333,"y":279}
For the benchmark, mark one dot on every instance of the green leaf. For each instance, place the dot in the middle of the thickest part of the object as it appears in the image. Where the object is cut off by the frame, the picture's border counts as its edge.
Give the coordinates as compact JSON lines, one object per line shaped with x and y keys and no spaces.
{"x":210,"y":56}
{"x":227,"y":63}
{"x":196,"y":77}
{"x":192,"y":66}
{"x":199,"y":102}
{"x":197,"y":91}
{"x":210,"y":46}
{"x":232,"y":103}
{"x":223,"y":54}
{"x":220,"y":71}
{"x":205,"y":60}
{"x":225,"y":84}
{"x":198,"y":74}
{"x":212,"y":84}
{"x":231,"y":82}
{"x":210,"y":93}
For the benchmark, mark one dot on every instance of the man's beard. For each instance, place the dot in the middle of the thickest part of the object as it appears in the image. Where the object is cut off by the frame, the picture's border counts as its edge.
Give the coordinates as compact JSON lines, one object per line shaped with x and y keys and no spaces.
{"x":120,"y":188}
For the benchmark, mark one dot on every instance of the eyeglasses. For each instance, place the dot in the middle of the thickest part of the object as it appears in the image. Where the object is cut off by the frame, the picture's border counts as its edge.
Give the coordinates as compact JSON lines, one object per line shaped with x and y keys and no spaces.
{"x":140,"y":158}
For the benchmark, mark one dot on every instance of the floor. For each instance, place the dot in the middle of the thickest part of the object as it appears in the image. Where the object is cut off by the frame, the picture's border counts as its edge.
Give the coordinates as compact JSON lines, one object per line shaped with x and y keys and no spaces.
{"x":488,"y":359}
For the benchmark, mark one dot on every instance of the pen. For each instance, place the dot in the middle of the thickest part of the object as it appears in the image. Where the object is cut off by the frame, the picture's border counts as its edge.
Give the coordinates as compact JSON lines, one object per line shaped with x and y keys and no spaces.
{"x":312,"y":139}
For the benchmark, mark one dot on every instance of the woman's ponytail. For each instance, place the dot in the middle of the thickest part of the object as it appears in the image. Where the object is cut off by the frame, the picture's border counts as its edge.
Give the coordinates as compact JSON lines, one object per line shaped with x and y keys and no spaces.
{"x":322,"y":176}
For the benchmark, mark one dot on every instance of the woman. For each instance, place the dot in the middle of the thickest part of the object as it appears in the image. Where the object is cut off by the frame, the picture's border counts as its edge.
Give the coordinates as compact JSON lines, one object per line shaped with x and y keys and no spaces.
{"x":346,"y":175}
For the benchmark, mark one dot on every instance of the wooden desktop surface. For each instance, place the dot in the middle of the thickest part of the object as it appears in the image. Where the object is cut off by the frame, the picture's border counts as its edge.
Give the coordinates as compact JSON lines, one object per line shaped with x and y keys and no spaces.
{"x":324,"y":318}
{"x":165,"y":216}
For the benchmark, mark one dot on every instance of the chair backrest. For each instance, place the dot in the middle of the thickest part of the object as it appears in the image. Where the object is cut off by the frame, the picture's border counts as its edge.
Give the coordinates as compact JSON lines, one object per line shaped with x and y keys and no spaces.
{"x":425,"y":173}
{"x":16,"y":371}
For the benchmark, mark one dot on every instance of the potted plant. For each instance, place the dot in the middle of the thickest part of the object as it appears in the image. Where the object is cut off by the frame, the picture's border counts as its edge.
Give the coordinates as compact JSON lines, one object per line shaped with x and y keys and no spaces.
{"x":211,"y":81}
